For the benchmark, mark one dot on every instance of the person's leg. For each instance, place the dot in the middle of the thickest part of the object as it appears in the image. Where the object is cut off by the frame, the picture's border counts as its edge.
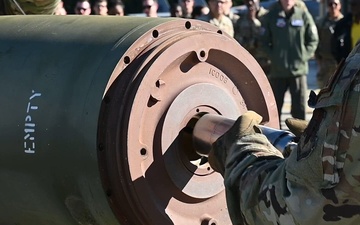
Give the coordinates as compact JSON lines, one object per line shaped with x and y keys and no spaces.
{"x":279,"y":87}
{"x":298,"y":91}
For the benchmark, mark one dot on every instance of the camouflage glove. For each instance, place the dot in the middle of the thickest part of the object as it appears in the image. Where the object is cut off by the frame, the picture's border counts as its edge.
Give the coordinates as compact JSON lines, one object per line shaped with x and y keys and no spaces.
{"x":296,"y":126}
{"x":244,"y":125}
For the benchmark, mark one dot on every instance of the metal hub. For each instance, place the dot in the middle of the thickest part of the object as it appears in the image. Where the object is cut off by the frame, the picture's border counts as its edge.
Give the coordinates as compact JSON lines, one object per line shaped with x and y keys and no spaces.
{"x":165,"y":81}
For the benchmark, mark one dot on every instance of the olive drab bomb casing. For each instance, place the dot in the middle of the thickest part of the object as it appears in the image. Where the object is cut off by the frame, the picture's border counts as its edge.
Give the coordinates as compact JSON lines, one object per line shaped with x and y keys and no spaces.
{"x":96,"y":117}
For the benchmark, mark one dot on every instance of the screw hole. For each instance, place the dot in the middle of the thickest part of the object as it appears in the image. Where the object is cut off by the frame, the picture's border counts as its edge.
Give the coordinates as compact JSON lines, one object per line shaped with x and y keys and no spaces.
{"x":127,"y":60}
{"x":208,"y":222}
{"x":187,"y":25}
{"x":197,"y":110}
{"x":219,"y":32}
{"x":202,"y":53}
{"x":155,"y":33}
{"x":143,"y":151}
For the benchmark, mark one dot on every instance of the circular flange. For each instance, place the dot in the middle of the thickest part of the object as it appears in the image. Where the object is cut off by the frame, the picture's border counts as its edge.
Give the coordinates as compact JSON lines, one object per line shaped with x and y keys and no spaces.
{"x":196,"y":99}
{"x":163,"y":83}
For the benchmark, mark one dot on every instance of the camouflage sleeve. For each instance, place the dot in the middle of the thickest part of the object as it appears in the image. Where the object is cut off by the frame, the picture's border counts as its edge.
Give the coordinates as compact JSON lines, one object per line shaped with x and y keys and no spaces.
{"x":250,"y":151}
{"x":319,"y":182}
{"x":20,"y":7}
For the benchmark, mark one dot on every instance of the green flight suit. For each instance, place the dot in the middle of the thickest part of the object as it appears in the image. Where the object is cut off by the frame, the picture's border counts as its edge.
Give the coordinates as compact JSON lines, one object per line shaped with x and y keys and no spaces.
{"x":289,"y":41}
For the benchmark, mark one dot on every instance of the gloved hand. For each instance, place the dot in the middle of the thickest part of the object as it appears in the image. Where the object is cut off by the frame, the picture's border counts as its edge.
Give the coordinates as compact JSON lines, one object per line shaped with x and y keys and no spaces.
{"x":244,"y":125}
{"x":296,"y":126}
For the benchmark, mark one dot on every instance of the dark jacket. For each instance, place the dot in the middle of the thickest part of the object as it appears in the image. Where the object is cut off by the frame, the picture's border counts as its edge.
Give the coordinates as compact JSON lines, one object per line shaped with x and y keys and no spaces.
{"x":341,"y":40}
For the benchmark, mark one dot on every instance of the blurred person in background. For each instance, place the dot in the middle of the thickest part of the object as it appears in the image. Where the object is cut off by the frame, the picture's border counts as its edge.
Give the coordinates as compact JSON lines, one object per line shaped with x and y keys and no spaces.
{"x":100,"y":7}
{"x":289,"y":39}
{"x":199,"y":11}
{"x":248,"y":30}
{"x":176,"y":10}
{"x":82,"y":7}
{"x":116,"y":8}
{"x":227,"y":11}
{"x":150,"y":8}
{"x":60,"y":10}
{"x":347,"y":32}
{"x":326,"y":25}
{"x":217,"y":17}
{"x":187,"y":8}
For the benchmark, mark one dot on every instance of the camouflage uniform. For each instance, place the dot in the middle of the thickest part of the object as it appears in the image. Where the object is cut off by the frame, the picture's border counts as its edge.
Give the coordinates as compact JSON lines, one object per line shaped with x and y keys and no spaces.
{"x":247,"y":33}
{"x":224,"y":24}
{"x":326,"y":61}
{"x":29,"y":7}
{"x":319,"y":183}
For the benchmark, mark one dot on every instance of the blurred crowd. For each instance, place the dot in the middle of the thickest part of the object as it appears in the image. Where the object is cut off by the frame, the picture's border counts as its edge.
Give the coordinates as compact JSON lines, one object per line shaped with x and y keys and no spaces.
{"x":97,"y":7}
{"x":282,"y":38}
{"x":183,"y":8}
